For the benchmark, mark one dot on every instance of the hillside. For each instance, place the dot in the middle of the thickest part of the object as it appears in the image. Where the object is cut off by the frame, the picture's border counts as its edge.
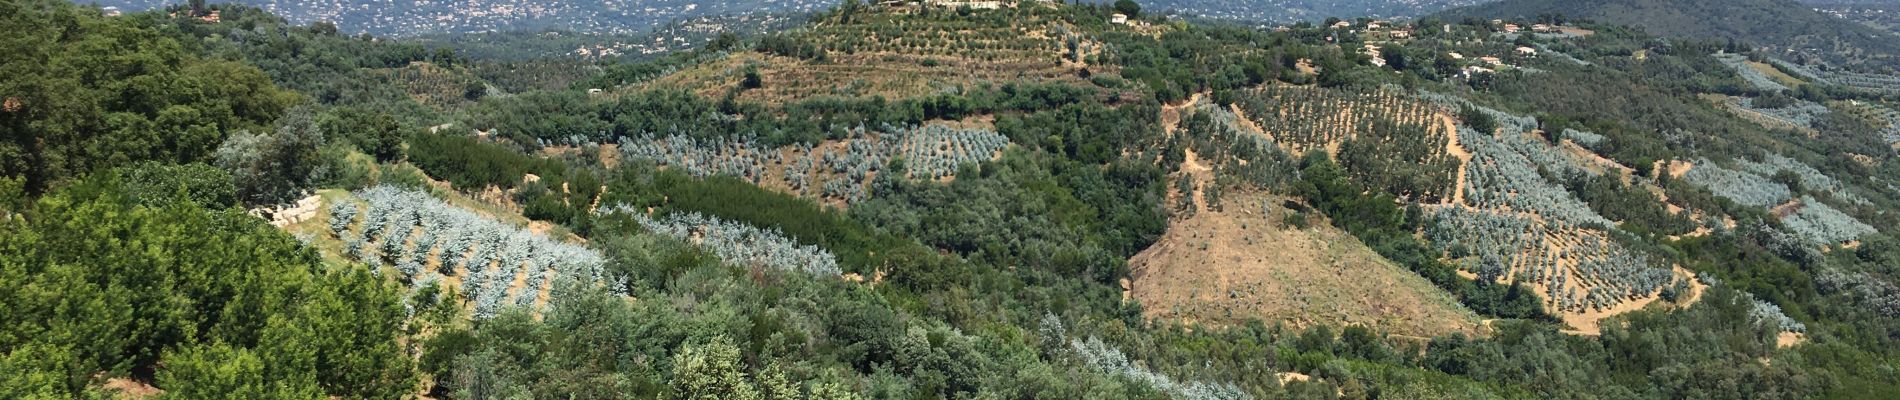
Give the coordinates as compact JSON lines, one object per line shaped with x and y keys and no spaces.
{"x":1789,"y":29}
{"x":414,"y":18}
{"x":411,"y":18}
{"x":1294,"y":11}
{"x":952,"y":200}
{"x":1223,"y":268}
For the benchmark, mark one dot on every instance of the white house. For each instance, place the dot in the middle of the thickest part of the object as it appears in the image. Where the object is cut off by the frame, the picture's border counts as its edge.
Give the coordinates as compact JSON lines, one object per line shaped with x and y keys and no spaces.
{"x":1118,"y":18}
{"x":1475,"y":70}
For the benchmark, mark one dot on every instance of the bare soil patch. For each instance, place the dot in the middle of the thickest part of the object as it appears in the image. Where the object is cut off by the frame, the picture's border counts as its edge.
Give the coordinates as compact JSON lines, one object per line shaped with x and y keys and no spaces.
{"x":1225,"y":267}
{"x":1789,"y":339}
{"x":1456,"y":150}
{"x":127,"y":388}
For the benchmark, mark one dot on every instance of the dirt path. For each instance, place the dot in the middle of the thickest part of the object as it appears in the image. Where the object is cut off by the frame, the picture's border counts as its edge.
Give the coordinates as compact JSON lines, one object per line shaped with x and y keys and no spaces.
{"x":1590,"y":323}
{"x":1202,"y":176}
{"x":1598,"y":163}
{"x":1171,"y":114}
{"x":1456,"y":149}
{"x":1695,"y":287}
{"x":1248,"y":124}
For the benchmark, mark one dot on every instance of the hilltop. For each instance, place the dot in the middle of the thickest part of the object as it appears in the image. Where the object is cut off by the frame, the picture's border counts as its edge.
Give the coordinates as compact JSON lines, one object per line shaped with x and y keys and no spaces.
{"x":1295,"y":11}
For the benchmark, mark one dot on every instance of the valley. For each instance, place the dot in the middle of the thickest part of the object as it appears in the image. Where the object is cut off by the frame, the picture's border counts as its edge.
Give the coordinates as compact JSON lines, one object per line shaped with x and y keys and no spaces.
{"x":1015,"y":199}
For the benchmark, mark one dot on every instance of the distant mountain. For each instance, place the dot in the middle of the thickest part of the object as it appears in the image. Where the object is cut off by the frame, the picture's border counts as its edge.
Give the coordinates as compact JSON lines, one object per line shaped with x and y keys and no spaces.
{"x":419,"y":17}
{"x":1290,"y":11}
{"x":424,"y":17}
{"x":1791,"y":29}
{"x":1853,"y":2}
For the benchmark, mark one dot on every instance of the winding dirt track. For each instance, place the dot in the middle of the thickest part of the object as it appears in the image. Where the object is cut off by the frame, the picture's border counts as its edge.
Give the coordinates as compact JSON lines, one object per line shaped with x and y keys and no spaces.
{"x":1456,"y":149}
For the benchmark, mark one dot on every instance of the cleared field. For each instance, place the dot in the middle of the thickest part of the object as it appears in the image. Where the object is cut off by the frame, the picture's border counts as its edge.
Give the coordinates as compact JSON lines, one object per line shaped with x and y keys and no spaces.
{"x":1240,"y":262}
{"x":1776,"y":74}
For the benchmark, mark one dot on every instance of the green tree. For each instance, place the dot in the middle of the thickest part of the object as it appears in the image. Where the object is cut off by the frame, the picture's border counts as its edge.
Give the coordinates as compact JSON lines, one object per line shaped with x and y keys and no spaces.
{"x":85,"y":92}
{"x":711,"y":371}
{"x":1128,"y":7}
{"x":159,"y":184}
{"x":219,"y":371}
{"x":39,"y":371}
{"x":751,"y":80}
{"x":375,"y":133}
{"x":273,"y":168}
{"x":119,"y":285}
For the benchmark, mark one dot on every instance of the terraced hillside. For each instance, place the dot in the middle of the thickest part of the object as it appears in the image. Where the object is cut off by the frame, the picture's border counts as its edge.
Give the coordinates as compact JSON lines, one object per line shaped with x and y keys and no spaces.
{"x":427,"y":241}
{"x":1234,"y":253}
{"x":835,"y":171}
{"x":1387,"y":137}
{"x":903,"y":52}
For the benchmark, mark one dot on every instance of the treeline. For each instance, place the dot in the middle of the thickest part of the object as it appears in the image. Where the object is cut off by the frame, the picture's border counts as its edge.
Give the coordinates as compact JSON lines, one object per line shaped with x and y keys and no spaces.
{"x":316,"y":60}
{"x":1641,"y":212}
{"x":573,"y":118}
{"x":556,"y":192}
{"x":860,"y":248}
{"x":84,"y":92}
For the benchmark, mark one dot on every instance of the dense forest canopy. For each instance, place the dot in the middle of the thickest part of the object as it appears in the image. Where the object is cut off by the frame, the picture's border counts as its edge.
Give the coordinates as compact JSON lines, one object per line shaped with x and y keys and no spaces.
{"x":918,"y":201}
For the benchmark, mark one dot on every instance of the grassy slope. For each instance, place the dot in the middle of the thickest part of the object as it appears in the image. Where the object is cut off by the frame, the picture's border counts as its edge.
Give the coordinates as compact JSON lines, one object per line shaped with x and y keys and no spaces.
{"x":1222,"y":268}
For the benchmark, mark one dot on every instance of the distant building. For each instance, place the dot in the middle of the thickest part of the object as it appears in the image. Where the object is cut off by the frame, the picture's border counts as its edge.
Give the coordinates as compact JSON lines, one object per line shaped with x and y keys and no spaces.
{"x":211,"y":17}
{"x":1401,"y":34}
{"x":1456,"y":56}
{"x":1543,"y":28}
{"x":1118,"y":18}
{"x":1491,"y":60}
{"x":976,"y":5}
{"x":1511,"y":28}
{"x":1474,"y":71}
{"x":1342,"y":25}
{"x":1526,"y":51}
{"x":111,"y":11}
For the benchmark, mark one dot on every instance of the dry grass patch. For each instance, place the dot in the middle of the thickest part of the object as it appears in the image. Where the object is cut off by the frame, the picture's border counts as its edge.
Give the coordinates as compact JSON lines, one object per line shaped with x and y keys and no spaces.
{"x":1226,"y":267}
{"x":1780,"y":77}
